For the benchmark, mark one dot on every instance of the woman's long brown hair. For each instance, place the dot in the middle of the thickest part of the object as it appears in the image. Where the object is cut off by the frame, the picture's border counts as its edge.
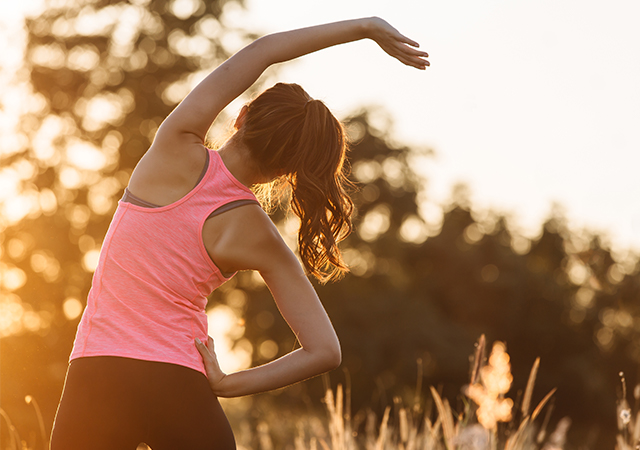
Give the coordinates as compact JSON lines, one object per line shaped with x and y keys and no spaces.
{"x":291,"y":135}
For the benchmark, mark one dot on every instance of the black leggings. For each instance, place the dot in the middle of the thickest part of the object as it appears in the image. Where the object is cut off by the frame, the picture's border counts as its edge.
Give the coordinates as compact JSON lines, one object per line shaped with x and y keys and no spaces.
{"x":112,"y":403}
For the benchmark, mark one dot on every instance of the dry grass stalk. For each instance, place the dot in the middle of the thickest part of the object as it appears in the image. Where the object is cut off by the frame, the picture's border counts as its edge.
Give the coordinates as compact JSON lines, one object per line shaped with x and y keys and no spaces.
{"x":16,"y":442}
{"x":526,"y":402}
{"x":383,"y":430}
{"x":628,"y":420}
{"x":541,"y":404}
{"x":416,"y":430}
{"x":444,"y":413}
{"x":478,"y":360}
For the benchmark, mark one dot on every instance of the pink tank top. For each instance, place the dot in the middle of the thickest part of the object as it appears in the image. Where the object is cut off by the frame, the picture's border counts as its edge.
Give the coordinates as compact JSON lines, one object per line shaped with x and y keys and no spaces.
{"x":149,"y":290}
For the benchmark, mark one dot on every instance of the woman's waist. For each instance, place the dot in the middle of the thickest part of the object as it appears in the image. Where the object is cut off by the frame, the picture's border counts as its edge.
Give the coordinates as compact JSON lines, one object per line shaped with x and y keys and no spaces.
{"x":141,"y":339}
{"x":138,"y":362}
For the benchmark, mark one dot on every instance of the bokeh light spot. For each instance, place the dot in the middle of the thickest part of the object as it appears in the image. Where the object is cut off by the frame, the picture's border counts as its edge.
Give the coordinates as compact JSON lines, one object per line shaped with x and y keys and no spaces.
{"x":90,"y":260}
{"x":183,"y":9}
{"x":268,"y":349}
{"x":616,"y":273}
{"x":233,"y":352}
{"x":85,"y":156}
{"x":236,"y":298}
{"x":83,"y":58}
{"x":72,"y":308}
{"x":13,"y":278}
{"x":414,"y":230}
{"x":584,"y":297}
{"x":367,"y":171}
{"x":48,"y":201}
{"x":578,"y":273}
{"x":375,"y":223}
{"x":604,"y":338}
{"x":78,"y":215}
{"x":16,"y":248}
{"x":11,"y":312}
{"x":520,"y":245}
{"x":70,"y":178}
{"x":473,"y":233}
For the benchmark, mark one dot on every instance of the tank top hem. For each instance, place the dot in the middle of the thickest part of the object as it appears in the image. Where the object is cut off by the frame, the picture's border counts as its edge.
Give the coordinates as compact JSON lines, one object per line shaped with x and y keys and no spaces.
{"x":151,"y":358}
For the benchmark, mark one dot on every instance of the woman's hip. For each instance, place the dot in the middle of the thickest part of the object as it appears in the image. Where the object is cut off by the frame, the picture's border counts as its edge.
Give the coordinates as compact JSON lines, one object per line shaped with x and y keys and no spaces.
{"x":126,"y":401}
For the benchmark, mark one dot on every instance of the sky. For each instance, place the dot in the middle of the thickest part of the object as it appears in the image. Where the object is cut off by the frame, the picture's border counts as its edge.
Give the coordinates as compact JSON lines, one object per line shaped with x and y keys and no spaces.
{"x":529,"y":103}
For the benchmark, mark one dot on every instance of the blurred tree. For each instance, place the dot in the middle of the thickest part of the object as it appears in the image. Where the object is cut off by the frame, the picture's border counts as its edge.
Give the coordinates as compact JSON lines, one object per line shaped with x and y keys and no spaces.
{"x":102,"y":75}
{"x":424,"y":290}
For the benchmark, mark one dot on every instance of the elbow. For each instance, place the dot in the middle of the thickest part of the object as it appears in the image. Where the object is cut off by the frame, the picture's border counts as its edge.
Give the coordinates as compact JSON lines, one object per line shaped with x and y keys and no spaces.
{"x":326,"y":359}
{"x":332,"y":358}
{"x":337,"y":360}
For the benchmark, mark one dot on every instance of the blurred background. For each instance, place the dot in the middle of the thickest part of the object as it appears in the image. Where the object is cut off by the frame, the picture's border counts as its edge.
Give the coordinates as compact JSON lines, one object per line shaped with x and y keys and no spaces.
{"x":496,"y":193}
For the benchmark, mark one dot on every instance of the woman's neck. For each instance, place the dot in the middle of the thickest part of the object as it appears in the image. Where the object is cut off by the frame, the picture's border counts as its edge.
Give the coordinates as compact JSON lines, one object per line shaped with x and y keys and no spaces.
{"x":239,"y":162}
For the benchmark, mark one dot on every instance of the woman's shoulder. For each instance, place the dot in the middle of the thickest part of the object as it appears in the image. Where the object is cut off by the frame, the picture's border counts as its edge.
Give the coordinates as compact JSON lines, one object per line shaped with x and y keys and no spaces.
{"x":248,"y":223}
{"x":163,"y":176}
{"x":243,"y":238}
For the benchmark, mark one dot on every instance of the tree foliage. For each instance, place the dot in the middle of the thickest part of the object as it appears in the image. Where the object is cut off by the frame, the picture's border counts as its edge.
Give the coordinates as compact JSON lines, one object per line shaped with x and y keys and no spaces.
{"x":101,"y":76}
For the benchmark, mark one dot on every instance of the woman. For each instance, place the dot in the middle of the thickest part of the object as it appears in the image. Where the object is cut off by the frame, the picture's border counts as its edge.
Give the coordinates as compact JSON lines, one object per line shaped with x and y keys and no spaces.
{"x":142,"y":367}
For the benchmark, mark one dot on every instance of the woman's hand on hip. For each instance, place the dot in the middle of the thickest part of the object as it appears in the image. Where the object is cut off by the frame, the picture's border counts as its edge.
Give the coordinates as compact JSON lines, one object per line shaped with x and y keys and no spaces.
{"x":211,"y":365}
{"x":396,"y":44}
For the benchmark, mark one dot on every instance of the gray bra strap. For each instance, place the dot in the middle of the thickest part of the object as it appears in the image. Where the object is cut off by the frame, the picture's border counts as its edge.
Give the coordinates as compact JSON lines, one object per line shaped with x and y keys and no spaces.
{"x":128,"y":197}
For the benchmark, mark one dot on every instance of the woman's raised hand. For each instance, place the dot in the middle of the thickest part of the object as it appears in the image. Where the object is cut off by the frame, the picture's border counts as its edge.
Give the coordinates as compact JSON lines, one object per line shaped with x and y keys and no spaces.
{"x":211,"y":366}
{"x":396,"y":44}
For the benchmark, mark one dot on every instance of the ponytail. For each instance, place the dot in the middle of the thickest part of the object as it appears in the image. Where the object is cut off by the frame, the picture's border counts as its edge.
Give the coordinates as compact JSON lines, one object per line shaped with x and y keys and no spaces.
{"x":292,"y":135}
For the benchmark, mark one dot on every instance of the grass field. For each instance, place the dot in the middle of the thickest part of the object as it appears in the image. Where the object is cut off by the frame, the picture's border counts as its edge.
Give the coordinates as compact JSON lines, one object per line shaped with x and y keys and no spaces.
{"x":490,"y":420}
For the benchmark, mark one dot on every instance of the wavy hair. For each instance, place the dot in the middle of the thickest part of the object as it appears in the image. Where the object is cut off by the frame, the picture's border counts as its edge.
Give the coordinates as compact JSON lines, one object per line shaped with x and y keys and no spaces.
{"x":296,"y":138}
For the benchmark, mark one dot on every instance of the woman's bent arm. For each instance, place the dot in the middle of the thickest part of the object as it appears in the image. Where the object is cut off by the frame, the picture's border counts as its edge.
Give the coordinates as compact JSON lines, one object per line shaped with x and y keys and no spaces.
{"x":198,"y":110}
{"x":247,"y":239}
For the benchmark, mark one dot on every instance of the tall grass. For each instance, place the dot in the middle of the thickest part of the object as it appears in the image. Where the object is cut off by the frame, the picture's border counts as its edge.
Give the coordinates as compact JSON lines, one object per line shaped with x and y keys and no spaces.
{"x":628,"y":437}
{"x":489,"y":420}
{"x":15,"y":442}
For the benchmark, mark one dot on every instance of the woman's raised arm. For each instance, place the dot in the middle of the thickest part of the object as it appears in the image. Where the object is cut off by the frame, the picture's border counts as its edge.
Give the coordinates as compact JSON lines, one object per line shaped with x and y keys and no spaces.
{"x":198,"y":110}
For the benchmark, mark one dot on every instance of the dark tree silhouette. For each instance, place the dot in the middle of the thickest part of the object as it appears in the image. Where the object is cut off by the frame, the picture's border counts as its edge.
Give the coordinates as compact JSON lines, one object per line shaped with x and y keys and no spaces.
{"x":425,"y":292}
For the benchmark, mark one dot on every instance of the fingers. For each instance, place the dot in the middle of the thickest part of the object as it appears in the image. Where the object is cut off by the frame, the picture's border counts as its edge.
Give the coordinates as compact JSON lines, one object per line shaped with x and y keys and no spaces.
{"x":402,"y":38}
{"x":418,"y":65}
{"x":408,"y":56}
{"x":206,"y":349}
{"x":398,"y":45}
{"x":405,"y":50}
{"x":413,"y":58}
{"x":201,"y":347}
{"x":414,"y":52}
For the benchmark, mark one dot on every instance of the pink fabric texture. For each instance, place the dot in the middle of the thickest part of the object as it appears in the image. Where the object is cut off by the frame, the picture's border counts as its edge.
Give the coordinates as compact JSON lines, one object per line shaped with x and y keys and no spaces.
{"x":149,"y":290}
